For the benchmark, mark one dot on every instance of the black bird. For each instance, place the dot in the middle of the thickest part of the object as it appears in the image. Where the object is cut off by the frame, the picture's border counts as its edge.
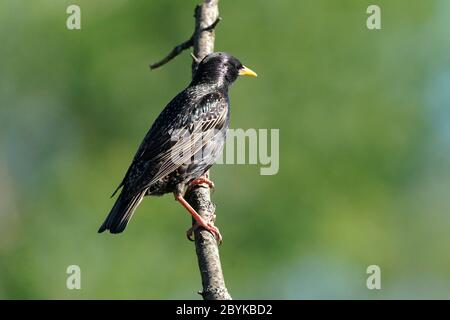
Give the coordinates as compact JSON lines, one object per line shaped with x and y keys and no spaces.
{"x":182,"y":144}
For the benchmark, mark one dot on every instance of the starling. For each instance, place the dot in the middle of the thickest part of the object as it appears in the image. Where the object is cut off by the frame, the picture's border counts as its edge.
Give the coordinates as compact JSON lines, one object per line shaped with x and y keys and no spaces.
{"x":182,"y":144}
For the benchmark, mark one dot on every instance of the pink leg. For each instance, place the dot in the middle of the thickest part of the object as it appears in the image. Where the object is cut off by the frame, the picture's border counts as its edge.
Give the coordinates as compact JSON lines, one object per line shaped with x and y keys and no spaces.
{"x":200,"y":221}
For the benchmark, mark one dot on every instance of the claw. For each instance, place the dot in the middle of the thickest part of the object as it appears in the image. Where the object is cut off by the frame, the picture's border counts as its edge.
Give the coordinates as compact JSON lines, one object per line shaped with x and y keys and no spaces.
{"x":210,"y":227}
{"x":216,"y":233}
{"x":202,"y":180}
{"x":190,"y":232}
{"x":199,"y":221}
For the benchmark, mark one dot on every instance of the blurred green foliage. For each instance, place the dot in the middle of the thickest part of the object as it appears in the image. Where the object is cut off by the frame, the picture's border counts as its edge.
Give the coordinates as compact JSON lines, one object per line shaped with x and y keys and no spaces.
{"x":364,"y":149}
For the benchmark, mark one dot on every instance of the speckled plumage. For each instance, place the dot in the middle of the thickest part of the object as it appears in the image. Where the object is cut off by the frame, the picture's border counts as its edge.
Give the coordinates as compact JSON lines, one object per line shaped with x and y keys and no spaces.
{"x":200,"y":113}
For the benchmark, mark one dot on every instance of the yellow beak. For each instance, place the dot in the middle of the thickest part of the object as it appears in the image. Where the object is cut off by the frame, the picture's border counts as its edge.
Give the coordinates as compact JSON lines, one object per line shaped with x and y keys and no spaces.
{"x":244,"y":71}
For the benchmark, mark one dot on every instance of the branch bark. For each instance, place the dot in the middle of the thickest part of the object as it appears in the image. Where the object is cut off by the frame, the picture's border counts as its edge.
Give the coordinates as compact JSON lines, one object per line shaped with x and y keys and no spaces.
{"x":206,"y":19}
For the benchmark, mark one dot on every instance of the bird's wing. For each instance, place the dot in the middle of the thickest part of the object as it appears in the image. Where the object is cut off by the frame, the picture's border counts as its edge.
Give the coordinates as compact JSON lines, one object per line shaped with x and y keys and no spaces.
{"x":161,"y":152}
{"x":208,"y":119}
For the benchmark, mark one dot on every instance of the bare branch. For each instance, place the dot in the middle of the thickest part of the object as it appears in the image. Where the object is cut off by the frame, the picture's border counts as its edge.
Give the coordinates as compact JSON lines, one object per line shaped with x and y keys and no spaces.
{"x":206,"y":248}
{"x":206,"y":19}
{"x":172,"y":54}
{"x":183,"y":46}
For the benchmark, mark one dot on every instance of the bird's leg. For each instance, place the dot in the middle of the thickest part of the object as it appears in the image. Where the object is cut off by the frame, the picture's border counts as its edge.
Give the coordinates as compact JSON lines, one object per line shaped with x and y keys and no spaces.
{"x":200,"y":221}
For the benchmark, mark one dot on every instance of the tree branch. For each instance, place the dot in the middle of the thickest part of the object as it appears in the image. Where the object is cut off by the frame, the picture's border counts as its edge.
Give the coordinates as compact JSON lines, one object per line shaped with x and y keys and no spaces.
{"x":206,"y":19}
{"x":206,"y":248}
{"x":183,"y":46}
{"x":172,"y":54}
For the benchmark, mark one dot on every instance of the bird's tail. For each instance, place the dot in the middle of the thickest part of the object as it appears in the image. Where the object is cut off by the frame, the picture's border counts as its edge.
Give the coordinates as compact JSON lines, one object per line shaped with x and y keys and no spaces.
{"x":122,"y":212}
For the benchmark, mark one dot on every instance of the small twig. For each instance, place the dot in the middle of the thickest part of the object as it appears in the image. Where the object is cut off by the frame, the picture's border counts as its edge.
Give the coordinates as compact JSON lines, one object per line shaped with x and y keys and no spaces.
{"x":213,"y":25}
{"x":183,"y":46}
{"x":175,"y":51}
{"x":196,"y":60}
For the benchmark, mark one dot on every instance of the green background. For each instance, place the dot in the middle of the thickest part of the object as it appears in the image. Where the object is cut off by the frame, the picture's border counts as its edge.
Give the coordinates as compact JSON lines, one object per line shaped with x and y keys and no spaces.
{"x":364,"y":119}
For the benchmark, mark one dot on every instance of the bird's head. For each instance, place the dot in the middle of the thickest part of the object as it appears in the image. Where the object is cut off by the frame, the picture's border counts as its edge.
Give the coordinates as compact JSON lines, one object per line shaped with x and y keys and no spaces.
{"x":220,"y":68}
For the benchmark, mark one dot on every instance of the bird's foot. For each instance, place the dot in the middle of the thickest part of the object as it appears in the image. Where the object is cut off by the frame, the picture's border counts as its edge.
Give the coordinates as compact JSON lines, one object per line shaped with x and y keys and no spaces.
{"x":206,"y":225}
{"x":199,"y":221}
{"x":202,"y":180}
